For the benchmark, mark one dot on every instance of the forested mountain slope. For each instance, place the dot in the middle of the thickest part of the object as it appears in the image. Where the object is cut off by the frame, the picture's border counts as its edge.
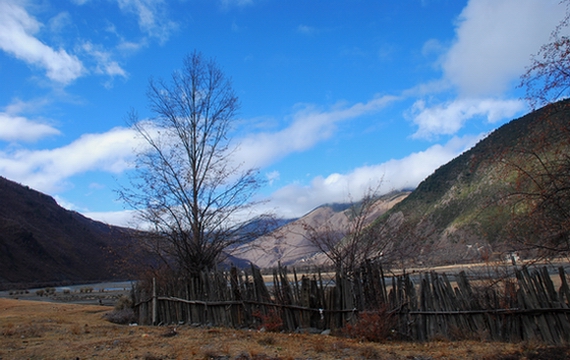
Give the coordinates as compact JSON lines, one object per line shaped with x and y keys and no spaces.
{"x":41,"y":242}
{"x":464,"y":211}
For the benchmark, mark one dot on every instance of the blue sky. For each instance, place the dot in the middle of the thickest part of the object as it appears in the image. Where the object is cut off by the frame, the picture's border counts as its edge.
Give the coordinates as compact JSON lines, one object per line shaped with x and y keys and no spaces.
{"x":336,"y":96}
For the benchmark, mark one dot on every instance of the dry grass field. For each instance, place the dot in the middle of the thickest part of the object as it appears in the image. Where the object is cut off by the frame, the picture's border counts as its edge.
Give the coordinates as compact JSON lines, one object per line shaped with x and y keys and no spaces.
{"x":47,"y":330}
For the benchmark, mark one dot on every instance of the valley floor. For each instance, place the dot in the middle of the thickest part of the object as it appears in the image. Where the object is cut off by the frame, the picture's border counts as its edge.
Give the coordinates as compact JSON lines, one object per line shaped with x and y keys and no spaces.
{"x":88,"y":294}
{"x":41,"y":330}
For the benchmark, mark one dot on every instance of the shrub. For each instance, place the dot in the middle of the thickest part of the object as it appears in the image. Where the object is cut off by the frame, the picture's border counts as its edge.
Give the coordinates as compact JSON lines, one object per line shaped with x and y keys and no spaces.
{"x":49,"y":291}
{"x":124,"y":302}
{"x":123,"y":312}
{"x":18,"y":292}
{"x":270,"y":321}
{"x":374,"y":326}
{"x":123,"y":317}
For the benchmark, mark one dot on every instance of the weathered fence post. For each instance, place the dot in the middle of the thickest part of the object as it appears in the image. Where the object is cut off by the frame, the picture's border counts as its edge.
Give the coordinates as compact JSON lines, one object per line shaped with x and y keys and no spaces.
{"x":154,"y":304}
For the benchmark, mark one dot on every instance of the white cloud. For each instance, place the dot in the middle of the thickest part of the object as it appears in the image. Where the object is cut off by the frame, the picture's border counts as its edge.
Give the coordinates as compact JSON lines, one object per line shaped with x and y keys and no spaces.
{"x":97,"y":186}
{"x":296,"y":200}
{"x":15,"y":127}
{"x":66,"y":204}
{"x":48,"y":170}
{"x":18,"y":106}
{"x":494,"y":41}
{"x":152,"y":18}
{"x":129,"y":47}
{"x":18,"y":128}
{"x":307,"y":30}
{"x":226,"y":4}
{"x":449,"y":118}
{"x":433,"y":46}
{"x":125,"y":218}
{"x":428,"y":88}
{"x":309,"y":126}
{"x":104,"y":63}
{"x":60,"y":22}
{"x":17,"y":28}
{"x":272,"y":176}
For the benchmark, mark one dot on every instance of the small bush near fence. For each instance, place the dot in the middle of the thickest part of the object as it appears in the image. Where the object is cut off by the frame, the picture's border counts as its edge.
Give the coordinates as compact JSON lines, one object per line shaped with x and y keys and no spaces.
{"x":123,"y":312}
{"x":376,"y":326}
{"x":271,"y":321}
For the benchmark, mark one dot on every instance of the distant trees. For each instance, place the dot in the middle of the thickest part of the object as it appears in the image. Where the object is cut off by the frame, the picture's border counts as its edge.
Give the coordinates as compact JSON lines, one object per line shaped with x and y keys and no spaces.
{"x":187,"y":187}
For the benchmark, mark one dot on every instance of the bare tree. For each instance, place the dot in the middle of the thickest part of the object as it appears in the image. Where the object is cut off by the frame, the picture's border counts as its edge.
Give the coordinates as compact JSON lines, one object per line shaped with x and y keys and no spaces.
{"x":187,"y":186}
{"x":539,"y":172}
{"x":547,"y":78}
{"x":351,"y":240}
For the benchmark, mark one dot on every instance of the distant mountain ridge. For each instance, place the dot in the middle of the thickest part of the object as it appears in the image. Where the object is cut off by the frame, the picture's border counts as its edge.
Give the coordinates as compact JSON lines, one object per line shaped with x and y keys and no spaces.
{"x":41,"y":242}
{"x":289,"y":246}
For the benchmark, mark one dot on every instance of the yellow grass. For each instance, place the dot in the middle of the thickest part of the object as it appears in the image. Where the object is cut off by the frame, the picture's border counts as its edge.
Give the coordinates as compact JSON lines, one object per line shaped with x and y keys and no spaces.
{"x":41,"y":330}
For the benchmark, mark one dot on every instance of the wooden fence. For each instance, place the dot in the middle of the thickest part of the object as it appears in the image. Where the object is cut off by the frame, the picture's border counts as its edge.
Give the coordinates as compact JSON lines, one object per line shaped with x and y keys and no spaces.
{"x":525,"y":306}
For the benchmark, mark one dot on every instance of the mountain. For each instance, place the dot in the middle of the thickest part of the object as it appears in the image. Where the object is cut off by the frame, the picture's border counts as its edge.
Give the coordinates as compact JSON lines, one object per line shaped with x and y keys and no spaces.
{"x":464,"y":210}
{"x":43,"y":243}
{"x":289,"y":244}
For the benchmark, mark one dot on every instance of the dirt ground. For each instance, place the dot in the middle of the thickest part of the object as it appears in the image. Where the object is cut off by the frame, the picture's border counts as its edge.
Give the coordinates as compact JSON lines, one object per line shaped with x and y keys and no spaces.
{"x":48,"y":330}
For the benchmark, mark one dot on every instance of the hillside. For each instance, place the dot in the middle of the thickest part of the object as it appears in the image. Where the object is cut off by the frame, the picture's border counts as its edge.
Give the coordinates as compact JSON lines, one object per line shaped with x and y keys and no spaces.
{"x":462,"y":212}
{"x":41,"y":243}
{"x":289,"y":244}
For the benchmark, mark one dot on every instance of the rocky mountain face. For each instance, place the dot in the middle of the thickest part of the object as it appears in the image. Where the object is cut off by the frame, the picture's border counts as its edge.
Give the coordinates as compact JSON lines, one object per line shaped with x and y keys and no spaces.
{"x":43,"y":243}
{"x":290,"y":245}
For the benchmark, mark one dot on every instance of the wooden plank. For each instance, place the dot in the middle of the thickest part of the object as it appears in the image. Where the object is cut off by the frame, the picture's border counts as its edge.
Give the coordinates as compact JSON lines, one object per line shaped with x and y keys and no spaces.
{"x":296,"y":292}
{"x":537,"y":296}
{"x":154,"y":303}
{"x":462,"y":321}
{"x":305,"y":301}
{"x":563,"y":299}
{"x":530,"y":329}
{"x":469,"y":302}
{"x":564,"y":291}
{"x":425,"y":305}
{"x":412,"y":321}
{"x":550,"y":299}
